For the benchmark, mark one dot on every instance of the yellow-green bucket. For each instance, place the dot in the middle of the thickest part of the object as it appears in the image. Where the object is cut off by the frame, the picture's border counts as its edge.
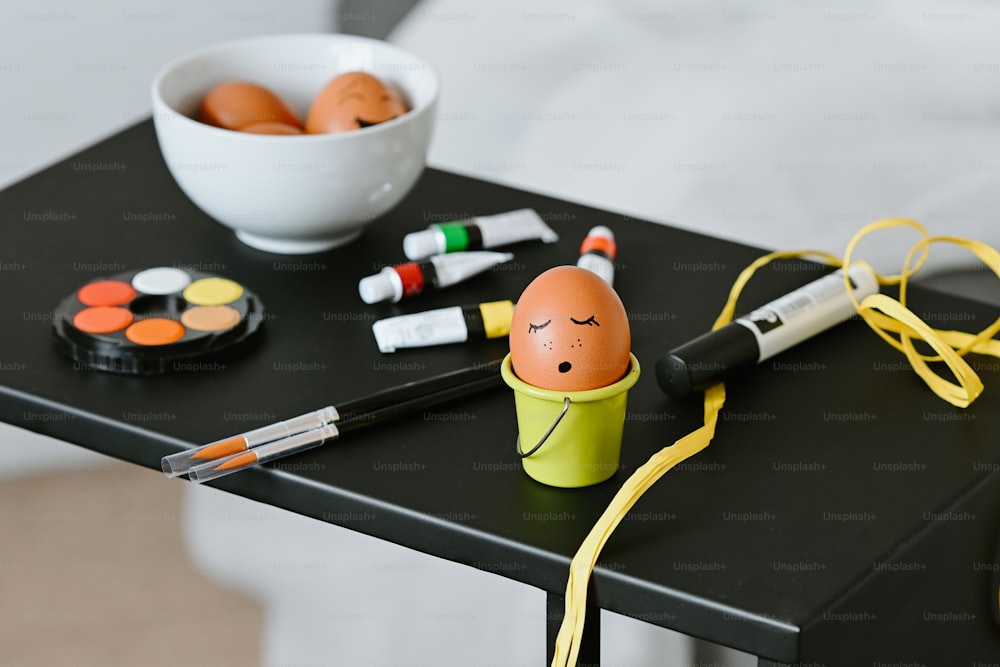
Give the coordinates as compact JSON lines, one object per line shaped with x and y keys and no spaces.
{"x":570,"y":438}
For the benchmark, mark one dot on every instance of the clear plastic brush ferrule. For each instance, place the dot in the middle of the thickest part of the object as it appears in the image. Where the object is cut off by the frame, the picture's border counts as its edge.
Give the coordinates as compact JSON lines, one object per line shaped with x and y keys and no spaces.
{"x":264,"y":453}
{"x":182,"y":462}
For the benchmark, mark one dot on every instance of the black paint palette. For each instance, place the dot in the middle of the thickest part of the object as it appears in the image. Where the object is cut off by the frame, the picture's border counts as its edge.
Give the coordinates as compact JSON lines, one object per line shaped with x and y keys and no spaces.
{"x":153,"y":321}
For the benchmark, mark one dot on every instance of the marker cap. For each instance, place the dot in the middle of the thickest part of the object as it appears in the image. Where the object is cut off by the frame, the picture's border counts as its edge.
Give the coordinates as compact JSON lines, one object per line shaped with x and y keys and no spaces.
{"x":705,"y":360}
{"x":425,"y":243}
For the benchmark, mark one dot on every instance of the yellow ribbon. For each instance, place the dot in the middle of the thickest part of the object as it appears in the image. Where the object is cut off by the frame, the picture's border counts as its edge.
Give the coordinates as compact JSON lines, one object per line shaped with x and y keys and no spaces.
{"x":888,"y":317}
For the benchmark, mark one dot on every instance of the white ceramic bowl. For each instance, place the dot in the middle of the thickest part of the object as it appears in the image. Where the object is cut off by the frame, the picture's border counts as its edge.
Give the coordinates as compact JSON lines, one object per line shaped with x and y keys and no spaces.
{"x":304,"y":193}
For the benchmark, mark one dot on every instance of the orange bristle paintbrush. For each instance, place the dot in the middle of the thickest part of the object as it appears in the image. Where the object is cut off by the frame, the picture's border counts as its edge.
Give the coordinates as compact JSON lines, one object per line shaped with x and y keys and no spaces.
{"x":243,"y":450}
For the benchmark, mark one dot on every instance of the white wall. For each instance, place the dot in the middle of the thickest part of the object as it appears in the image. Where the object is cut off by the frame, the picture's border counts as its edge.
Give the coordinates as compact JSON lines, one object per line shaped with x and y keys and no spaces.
{"x":783,"y":125}
{"x":73,"y":72}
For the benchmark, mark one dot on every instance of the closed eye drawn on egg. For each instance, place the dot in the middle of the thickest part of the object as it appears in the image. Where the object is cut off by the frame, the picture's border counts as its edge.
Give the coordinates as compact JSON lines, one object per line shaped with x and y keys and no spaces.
{"x":532,"y":328}
{"x":348,"y":96}
{"x":590,"y":321}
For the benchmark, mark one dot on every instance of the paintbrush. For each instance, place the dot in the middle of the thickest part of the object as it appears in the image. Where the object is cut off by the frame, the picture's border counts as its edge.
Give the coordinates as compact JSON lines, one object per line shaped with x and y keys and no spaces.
{"x":313,"y":438}
{"x":366,"y":411}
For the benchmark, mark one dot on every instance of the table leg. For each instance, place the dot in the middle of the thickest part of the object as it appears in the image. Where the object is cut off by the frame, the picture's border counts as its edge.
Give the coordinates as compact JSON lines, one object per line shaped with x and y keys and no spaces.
{"x":590,"y":644}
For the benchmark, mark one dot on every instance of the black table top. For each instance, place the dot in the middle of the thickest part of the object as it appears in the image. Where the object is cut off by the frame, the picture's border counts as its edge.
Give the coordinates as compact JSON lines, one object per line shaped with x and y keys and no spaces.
{"x":830,"y":461}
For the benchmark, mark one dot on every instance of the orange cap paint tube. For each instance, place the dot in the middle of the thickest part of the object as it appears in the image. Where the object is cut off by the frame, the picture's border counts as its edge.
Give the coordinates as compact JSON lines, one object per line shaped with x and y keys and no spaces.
{"x":597,"y":253}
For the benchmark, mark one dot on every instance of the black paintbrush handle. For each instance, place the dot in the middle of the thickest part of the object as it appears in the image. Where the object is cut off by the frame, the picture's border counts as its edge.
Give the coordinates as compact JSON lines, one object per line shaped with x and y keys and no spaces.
{"x":412,"y":391}
{"x":361,"y":419}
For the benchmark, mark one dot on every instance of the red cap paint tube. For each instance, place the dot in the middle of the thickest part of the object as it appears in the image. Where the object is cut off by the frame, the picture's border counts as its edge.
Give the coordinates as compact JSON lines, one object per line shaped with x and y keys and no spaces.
{"x":393,"y":283}
{"x":597,"y":253}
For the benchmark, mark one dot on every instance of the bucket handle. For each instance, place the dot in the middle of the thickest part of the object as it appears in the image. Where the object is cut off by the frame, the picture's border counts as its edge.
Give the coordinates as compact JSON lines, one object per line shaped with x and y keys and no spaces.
{"x":545,"y":437}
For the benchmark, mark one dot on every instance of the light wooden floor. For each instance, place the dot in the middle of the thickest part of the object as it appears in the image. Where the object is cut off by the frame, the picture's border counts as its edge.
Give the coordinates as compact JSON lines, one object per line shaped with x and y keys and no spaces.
{"x":103,"y":579}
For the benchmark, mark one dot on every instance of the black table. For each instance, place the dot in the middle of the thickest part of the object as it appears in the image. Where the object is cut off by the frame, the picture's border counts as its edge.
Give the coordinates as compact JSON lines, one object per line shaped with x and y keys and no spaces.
{"x":843,"y":514}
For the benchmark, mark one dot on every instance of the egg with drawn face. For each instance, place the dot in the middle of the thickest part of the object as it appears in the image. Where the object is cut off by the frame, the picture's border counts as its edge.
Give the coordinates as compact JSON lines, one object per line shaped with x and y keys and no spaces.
{"x":569,"y":332}
{"x":352,"y":101}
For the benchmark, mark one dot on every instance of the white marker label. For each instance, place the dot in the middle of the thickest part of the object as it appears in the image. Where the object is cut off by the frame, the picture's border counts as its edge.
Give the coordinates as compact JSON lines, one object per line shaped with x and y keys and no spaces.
{"x":807,"y":311}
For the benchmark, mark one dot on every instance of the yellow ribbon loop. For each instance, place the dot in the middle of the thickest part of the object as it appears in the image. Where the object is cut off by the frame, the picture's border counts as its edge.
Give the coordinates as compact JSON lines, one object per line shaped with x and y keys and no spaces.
{"x":888,"y":317}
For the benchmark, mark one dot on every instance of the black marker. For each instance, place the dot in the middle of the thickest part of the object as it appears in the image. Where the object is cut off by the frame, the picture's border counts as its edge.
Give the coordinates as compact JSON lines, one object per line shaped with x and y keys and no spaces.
{"x":765,"y":332}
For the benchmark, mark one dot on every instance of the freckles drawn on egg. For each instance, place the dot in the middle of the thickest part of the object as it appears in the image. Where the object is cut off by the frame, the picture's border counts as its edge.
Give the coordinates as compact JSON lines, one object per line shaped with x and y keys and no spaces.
{"x":564,"y":366}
